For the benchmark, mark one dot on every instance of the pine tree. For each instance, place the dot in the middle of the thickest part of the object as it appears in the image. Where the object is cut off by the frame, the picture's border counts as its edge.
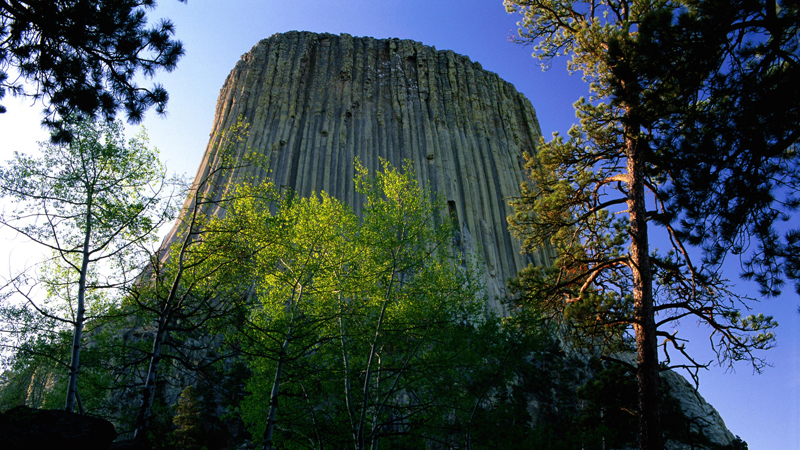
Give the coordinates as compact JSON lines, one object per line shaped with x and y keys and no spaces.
{"x":653,"y":67}
{"x":82,"y":58}
{"x":188,"y":434}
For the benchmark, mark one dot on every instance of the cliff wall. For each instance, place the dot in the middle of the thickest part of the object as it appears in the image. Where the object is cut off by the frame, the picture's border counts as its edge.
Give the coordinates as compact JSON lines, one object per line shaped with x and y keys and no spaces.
{"x":316,"y":102}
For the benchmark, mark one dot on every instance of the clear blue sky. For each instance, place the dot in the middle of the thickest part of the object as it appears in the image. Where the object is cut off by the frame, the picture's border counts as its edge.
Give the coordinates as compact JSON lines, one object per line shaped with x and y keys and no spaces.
{"x":763,"y":409}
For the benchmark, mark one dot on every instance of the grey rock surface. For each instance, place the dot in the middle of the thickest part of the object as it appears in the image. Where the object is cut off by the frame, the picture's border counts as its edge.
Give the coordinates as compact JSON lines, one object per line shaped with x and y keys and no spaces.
{"x":316,"y":102}
{"x":701,"y":416}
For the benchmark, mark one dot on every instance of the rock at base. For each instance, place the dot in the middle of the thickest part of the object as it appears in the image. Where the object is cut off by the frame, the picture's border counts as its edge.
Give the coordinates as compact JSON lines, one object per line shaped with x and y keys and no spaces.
{"x":26,"y":428}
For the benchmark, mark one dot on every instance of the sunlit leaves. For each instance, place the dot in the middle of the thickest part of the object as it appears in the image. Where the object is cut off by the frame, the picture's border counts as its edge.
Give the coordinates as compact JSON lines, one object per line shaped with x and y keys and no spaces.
{"x":116,"y":188}
{"x":95,"y":203}
{"x":353,"y":310}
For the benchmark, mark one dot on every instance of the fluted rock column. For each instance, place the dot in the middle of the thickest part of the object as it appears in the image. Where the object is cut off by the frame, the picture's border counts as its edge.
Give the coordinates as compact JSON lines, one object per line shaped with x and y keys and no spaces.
{"x":316,"y":102}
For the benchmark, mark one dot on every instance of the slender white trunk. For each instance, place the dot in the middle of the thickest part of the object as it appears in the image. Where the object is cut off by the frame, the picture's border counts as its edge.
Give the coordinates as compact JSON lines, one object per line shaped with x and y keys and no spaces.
{"x":276,"y":383}
{"x":75,"y":364}
{"x":148,"y":392}
{"x":346,"y":380}
{"x":170,"y":306}
{"x":274,"y":393}
{"x":368,"y":377}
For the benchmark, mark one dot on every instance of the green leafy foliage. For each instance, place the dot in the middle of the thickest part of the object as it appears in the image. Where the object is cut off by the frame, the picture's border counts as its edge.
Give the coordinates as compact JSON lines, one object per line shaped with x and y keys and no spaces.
{"x":188,"y":434}
{"x":189,"y":292}
{"x":359,"y":321}
{"x":94,"y":203}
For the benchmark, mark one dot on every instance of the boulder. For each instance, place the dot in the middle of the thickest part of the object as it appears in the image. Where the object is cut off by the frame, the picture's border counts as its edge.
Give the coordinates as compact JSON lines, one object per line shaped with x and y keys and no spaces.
{"x":26,"y":428}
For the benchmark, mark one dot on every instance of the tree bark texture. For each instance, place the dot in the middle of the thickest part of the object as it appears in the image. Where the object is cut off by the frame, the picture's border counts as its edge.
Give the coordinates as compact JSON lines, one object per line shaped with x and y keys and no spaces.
{"x":647,"y":373}
{"x":75,"y":359}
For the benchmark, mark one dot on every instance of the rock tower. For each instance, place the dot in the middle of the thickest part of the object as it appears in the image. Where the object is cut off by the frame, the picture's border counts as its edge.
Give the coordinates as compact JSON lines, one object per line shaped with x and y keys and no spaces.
{"x":316,"y":102}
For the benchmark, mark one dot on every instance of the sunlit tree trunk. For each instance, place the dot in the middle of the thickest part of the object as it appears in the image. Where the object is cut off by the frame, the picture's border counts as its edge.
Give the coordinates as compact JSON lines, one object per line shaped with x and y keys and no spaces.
{"x":644,"y":316}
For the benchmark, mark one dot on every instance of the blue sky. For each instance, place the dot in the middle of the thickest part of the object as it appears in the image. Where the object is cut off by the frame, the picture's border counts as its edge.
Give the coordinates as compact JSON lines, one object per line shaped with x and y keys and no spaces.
{"x":763,"y":409}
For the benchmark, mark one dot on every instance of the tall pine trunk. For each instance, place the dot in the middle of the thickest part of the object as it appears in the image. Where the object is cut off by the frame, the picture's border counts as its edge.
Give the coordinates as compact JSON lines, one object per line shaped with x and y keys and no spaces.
{"x":647,"y":372}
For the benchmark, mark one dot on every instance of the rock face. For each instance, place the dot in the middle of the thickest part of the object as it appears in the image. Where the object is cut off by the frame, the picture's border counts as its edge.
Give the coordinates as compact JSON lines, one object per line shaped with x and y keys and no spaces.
{"x":701,"y":417}
{"x":316,"y":102}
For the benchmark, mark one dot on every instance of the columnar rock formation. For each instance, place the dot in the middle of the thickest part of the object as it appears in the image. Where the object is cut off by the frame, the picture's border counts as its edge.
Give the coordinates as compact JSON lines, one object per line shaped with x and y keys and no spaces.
{"x":316,"y":102}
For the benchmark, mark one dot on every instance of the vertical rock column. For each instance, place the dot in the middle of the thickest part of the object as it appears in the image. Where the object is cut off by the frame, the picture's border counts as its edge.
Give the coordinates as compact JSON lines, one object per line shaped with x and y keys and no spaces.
{"x":316,"y":102}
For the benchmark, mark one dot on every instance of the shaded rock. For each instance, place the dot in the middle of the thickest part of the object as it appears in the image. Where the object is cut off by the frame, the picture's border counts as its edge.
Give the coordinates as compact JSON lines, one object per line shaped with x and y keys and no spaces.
{"x":26,"y":428}
{"x":129,"y":444}
{"x":701,"y":417}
